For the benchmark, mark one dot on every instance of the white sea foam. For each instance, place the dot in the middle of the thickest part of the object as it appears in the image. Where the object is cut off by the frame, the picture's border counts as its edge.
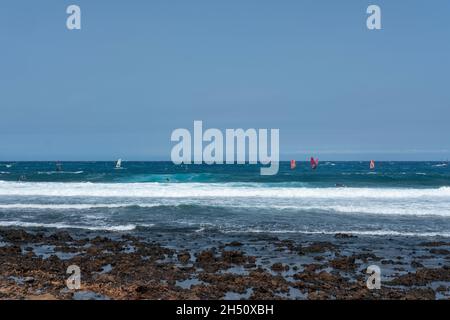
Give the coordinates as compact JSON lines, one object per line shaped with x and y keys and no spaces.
{"x":60,"y":172}
{"x":85,"y":196}
{"x":127,"y":227}
{"x":362,"y":233}
{"x":73,"y":206}
{"x":415,"y":209}
{"x":207,"y":190}
{"x":412,"y":209}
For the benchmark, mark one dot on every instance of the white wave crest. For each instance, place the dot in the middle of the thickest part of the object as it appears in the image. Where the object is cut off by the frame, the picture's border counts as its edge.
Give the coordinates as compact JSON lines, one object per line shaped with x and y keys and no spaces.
{"x":73,"y":206}
{"x":127,"y":227}
{"x":362,"y":233}
{"x":207,"y":190}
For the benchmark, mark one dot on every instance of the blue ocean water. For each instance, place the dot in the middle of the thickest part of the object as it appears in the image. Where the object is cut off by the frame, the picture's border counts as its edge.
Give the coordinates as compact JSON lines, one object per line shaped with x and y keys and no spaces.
{"x":397,"y":198}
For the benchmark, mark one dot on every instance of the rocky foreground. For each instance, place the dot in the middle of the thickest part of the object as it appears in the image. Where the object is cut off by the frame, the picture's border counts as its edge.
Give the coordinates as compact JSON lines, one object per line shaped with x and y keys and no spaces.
{"x":33,"y":265}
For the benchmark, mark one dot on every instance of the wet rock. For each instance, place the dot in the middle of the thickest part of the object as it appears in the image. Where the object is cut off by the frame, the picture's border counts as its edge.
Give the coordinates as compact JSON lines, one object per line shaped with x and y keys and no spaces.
{"x":279,"y":267}
{"x":420,"y":294}
{"x":365,"y":257}
{"x":441,"y":289}
{"x":61,"y":236}
{"x":16,"y":235}
{"x":234,"y":244}
{"x":318,"y":295}
{"x":344,"y":236}
{"x":285,"y":245}
{"x":313,"y":267}
{"x":184,"y":257}
{"x":422,"y":277}
{"x":317,"y":247}
{"x":439,"y":251}
{"x":46,"y":296}
{"x":234,"y":257}
{"x":148,"y":273}
{"x":434,"y":244}
{"x":319,"y":258}
{"x":205,"y":257}
{"x":416,"y":264}
{"x":345,"y":263}
{"x":142,"y":289}
{"x":28,"y":280}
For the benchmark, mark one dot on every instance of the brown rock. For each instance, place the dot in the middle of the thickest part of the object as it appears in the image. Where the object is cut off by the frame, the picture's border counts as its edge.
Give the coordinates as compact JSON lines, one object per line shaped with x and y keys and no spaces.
{"x":184,"y":257}
{"x":279,"y":267}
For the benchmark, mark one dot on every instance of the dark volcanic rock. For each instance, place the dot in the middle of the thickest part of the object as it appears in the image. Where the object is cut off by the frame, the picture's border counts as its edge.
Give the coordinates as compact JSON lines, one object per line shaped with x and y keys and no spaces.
{"x":234,"y":257}
{"x":61,"y":236}
{"x":141,"y":270}
{"x":422,"y":277}
{"x":345,"y":263}
{"x":416,"y":264}
{"x":206,"y":257}
{"x":344,"y":236}
{"x":279,"y":267}
{"x":317,"y":247}
{"x":439,"y":251}
{"x":435,"y":244}
{"x":234,"y":244}
{"x":184,"y":257}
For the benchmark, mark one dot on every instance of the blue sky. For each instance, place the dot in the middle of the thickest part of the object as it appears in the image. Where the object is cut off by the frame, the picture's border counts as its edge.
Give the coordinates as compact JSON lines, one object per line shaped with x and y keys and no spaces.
{"x":139,"y":69}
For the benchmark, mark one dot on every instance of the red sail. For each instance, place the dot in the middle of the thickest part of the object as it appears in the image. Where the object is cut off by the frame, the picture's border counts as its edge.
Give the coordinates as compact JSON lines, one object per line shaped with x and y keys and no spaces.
{"x":372,"y":164}
{"x":313,"y":163}
{"x":293,"y":164}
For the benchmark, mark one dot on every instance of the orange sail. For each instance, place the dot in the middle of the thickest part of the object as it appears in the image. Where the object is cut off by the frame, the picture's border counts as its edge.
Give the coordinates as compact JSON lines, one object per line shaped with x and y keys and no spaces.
{"x":293,"y":164}
{"x":372,"y":164}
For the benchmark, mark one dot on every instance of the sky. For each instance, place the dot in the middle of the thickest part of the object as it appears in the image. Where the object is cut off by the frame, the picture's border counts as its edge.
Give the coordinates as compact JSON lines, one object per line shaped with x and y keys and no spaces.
{"x":137,"y":70}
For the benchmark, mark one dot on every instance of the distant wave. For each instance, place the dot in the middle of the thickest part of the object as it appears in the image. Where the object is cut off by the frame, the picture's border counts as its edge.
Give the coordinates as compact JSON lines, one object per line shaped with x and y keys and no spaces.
{"x":60,"y":172}
{"x":415,"y":209}
{"x":75,"y":206}
{"x":207,"y":190}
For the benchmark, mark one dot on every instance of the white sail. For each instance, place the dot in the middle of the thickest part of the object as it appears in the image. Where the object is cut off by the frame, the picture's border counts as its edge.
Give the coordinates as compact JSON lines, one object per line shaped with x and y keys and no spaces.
{"x":119,"y":164}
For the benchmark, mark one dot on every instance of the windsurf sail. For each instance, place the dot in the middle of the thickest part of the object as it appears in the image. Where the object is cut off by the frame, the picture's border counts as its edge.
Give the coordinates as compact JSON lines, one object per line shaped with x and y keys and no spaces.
{"x":372,"y":164}
{"x":119,"y":164}
{"x":293,"y":164}
{"x":314,"y":163}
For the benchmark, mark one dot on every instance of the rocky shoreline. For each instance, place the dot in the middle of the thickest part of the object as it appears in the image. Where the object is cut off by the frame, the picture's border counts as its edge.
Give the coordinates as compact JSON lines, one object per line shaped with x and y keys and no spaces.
{"x":125,"y":266}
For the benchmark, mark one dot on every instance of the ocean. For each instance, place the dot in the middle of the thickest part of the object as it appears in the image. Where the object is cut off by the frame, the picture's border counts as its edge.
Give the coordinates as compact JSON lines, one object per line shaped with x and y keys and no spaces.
{"x":406,"y":199}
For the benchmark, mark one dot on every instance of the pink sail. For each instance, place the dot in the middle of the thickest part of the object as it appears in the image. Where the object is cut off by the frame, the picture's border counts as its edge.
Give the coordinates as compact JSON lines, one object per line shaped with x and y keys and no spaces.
{"x":314,"y":163}
{"x":293,"y":164}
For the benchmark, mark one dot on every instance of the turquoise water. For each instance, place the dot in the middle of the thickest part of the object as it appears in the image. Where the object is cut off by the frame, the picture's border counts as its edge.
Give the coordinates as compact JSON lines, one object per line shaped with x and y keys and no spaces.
{"x":397,"y":198}
{"x":351,"y":174}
